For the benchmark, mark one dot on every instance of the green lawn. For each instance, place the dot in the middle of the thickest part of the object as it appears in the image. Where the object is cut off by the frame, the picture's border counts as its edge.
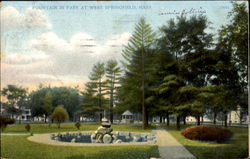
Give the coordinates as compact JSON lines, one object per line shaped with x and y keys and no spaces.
{"x":236,"y":148}
{"x":44,"y":128}
{"x":20,"y":148}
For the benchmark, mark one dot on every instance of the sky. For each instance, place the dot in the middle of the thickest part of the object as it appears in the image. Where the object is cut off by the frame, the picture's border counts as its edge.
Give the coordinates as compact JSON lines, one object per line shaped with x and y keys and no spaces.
{"x":57,"y":43}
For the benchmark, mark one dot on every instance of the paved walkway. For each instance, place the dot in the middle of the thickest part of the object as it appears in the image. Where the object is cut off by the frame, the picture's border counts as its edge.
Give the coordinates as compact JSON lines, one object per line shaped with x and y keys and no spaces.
{"x":170,"y":148}
{"x":15,"y":134}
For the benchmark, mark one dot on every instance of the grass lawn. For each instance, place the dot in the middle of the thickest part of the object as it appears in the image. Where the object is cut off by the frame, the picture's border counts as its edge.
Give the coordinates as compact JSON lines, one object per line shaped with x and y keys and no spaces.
{"x":44,"y":128}
{"x":236,"y":148}
{"x":18,"y":147}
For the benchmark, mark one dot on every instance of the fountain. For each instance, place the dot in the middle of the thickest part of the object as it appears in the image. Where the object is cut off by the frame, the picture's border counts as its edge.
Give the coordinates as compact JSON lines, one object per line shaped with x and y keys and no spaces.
{"x":104,"y":135}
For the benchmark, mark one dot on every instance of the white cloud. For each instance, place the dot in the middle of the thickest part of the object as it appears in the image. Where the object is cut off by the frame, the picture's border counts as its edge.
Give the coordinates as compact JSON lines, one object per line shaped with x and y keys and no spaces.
{"x":57,"y":60}
{"x":49,"y":43}
{"x":31,"y":18}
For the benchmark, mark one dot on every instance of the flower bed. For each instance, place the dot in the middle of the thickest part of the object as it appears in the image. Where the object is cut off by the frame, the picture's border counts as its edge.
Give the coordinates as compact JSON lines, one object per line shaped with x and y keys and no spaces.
{"x":207,"y":133}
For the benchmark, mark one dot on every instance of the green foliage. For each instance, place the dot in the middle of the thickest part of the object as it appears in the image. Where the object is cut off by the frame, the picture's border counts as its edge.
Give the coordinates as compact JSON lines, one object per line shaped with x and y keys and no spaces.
{"x":142,"y":37}
{"x":60,"y":115}
{"x":233,"y":49}
{"x":17,"y":98}
{"x":137,"y":55}
{"x":28,"y":127}
{"x":4,"y":121}
{"x":78,"y":125}
{"x":40,"y":100}
{"x":93,"y":95}
{"x":113,"y":74}
{"x":48,"y":107}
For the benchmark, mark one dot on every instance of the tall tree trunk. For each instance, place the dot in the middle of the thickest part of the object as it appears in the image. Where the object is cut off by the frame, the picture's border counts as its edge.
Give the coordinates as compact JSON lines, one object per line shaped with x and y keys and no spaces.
{"x":111,"y":107}
{"x":45,"y":119}
{"x":215,"y":116}
{"x":225,"y":119}
{"x":144,"y":111}
{"x":202,"y":120}
{"x":99,"y":99}
{"x":100,"y":117}
{"x":198,"y":120}
{"x":167,"y":116}
{"x":184,"y":120}
{"x":160,"y":119}
{"x":241,"y":117}
{"x":178,"y":126}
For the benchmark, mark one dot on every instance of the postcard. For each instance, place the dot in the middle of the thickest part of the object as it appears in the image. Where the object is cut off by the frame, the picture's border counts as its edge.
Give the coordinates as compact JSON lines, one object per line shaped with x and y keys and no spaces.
{"x":124,"y":79}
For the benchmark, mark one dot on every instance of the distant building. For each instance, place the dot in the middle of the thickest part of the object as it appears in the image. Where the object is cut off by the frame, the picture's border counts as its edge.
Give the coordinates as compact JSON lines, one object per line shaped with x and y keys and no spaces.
{"x":24,"y":116}
{"x":191,"y":119}
{"x":127,"y":117}
{"x":234,"y":116}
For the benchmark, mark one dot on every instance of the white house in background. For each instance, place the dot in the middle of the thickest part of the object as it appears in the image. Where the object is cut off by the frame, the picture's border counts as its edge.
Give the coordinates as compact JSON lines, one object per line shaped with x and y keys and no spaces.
{"x":234,"y":116}
{"x":191,"y":119}
{"x":127,"y":117}
{"x":24,"y":116}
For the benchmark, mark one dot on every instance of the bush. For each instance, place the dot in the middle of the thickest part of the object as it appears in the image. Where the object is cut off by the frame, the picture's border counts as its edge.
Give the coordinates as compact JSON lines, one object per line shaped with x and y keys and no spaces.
{"x":4,"y":121}
{"x":27,"y":127}
{"x":207,"y":133}
{"x":77,"y":125}
{"x":60,"y":115}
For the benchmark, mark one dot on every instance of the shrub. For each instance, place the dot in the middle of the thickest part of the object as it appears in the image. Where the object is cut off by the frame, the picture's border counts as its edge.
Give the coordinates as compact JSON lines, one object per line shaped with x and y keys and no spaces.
{"x":207,"y":133}
{"x":77,"y":125}
{"x":27,"y":127}
{"x":60,"y":115}
{"x":4,"y":121}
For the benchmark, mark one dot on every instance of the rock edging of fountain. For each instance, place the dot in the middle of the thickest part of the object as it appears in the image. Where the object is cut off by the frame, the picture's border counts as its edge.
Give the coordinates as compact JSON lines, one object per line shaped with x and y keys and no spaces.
{"x":47,"y":139}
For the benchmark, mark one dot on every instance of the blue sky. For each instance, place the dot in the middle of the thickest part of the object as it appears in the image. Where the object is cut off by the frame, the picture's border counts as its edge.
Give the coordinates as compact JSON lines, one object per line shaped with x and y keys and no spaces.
{"x":48,"y":34}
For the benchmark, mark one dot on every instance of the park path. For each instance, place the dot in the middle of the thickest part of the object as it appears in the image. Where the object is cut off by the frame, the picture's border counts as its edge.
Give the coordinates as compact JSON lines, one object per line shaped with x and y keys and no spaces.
{"x":15,"y":134}
{"x":169,"y":147}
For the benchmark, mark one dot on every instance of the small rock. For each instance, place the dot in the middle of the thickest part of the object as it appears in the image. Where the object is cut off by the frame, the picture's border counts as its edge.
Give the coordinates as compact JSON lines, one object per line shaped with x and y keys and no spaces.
{"x":107,"y":139}
{"x":117,"y":133}
{"x":136,"y":138}
{"x":114,"y":137}
{"x":118,"y":141}
{"x":73,"y":140}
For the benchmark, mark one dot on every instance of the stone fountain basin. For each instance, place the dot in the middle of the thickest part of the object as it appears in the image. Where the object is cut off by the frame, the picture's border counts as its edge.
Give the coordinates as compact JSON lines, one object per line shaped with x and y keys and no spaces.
{"x":49,"y":139}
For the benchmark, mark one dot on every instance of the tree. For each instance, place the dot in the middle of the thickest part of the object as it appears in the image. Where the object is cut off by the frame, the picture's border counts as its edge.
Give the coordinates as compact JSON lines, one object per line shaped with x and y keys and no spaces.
{"x":233,"y":41}
{"x":16,"y":97}
{"x":113,"y":73}
{"x":187,"y":40}
{"x":136,"y":55}
{"x":4,"y":121}
{"x":60,"y":115}
{"x":169,"y":90}
{"x":48,"y":107}
{"x":97,"y":85}
{"x":69,"y":97}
